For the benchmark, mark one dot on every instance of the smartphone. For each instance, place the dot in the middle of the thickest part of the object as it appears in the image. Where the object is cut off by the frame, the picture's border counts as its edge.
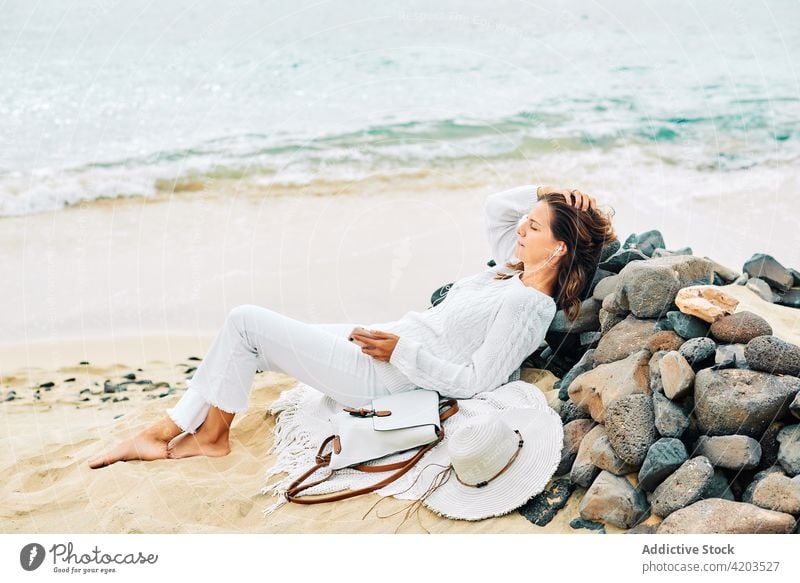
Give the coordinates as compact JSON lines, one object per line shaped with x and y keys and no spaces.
{"x":360,"y":330}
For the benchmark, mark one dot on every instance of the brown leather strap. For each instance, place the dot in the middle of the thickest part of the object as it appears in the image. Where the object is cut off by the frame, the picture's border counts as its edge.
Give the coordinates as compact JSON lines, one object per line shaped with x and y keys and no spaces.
{"x":367,"y":412}
{"x":520,"y":443}
{"x":451,"y":407}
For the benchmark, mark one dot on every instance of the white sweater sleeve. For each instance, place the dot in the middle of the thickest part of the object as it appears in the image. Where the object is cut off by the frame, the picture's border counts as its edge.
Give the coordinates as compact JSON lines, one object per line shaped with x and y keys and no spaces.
{"x":517,"y":331}
{"x":502,"y":214}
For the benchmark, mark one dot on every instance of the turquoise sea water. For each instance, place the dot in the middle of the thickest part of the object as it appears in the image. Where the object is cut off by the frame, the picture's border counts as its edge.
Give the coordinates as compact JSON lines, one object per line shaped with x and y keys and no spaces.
{"x":104,"y":99}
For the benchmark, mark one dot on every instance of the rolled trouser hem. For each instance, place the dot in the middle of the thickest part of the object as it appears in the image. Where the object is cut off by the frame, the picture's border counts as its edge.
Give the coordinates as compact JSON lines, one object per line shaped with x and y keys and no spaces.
{"x":231,"y":410}
{"x":190,"y":411}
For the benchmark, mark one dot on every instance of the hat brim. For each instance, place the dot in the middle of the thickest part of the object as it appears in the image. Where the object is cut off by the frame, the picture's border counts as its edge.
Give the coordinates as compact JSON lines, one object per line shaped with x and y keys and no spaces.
{"x":527,"y":476}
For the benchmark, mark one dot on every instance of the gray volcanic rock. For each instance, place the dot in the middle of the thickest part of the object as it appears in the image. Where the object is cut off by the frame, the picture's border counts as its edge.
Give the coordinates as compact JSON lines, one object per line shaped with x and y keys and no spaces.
{"x":585,"y":364}
{"x":685,"y":486}
{"x":619,"y":260}
{"x":569,"y":411}
{"x":769,"y":269}
{"x":726,"y":273}
{"x":655,"y":372}
{"x":789,"y":298}
{"x":761,"y":289}
{"x":630,"y":423}
{"x":670,"y":418}
{"x":664,"y":457}
{"x":587,"y":319}
{"x":646,"y":242}
{"x":605,"y":286}
{"x":687,"y":326}
{"x":740,"y":327}
{"x":789,"y":449}
{"x":543,"y":507}
{"x":732,"y":401}
{"x":734,"y":452}
{"x":629,"y":336}
{"x":698,"y":352}
{"x":608,"y":320}
{"x":718,"y":487}
{"x":770,"y":445}
{"x":773,"y":355}
{"x":648,"y":288}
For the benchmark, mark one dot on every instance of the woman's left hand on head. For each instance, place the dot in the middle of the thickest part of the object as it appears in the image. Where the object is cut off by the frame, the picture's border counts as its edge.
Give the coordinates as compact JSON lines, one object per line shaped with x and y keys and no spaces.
{"x":377,"y":344}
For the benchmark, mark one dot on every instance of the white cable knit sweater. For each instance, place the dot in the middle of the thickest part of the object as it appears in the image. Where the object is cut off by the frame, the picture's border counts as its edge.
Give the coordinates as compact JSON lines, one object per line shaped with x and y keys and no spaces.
{"x":485,"y":328}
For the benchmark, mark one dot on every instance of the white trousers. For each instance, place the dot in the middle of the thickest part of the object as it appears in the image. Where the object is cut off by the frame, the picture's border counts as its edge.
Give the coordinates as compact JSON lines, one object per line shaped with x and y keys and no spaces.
{"x":255,"y":339}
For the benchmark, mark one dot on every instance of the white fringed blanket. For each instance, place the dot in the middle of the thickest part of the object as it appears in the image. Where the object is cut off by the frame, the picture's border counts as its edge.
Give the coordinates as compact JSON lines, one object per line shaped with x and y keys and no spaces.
{"x":303,"y":423}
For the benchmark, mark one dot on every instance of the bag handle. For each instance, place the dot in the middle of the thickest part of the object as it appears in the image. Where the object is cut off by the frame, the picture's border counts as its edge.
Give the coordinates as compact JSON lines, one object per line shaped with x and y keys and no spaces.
{"x":451,"y":407}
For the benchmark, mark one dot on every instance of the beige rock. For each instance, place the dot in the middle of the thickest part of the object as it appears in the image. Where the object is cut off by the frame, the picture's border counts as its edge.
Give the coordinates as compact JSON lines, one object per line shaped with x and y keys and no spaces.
{"x":677,"y":376}
{"x":583,"y":470}
{"x":543,"y":379}
{"x":553,"y":400}
{"x":628,"y":336}
{"x":574,"y":432}
{"x":595,"y":390}
{"x":778,"y":492}
{"x":734,"y":452}
{"x":707,"y":302}
{"x":605,"y":458}
{"x":614,"y":500}
{"x":720,"y":516}
{"x":724,"y":271}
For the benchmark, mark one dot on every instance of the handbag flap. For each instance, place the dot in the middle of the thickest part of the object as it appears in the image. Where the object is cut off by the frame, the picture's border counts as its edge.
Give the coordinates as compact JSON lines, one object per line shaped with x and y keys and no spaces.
{"x":408,"y":409}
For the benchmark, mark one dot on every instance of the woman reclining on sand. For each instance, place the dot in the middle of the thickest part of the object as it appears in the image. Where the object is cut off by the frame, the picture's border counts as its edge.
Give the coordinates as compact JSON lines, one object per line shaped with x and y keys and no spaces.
{"x":470,"y":342}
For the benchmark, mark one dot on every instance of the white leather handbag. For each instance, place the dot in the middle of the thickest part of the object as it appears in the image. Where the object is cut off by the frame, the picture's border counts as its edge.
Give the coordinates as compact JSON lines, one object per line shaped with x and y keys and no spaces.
{"x":393,"y":424}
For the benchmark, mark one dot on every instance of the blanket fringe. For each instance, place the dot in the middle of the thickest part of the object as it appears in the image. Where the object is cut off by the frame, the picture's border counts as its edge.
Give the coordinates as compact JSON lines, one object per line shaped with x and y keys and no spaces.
{"x":293,"y":442}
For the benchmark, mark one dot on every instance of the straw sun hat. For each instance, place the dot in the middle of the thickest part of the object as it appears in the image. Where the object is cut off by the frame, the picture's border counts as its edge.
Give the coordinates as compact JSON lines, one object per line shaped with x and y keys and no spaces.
{"x":498,"y":462}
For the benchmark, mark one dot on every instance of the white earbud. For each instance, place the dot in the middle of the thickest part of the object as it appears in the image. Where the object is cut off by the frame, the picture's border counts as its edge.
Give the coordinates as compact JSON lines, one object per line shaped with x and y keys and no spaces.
{"x":553,"y":254}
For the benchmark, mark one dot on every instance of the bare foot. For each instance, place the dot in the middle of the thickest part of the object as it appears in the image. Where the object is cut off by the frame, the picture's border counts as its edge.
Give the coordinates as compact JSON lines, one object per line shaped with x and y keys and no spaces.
{"x":140,"y":447}
{"x":147,"y":445}
{"x":200,"y":443}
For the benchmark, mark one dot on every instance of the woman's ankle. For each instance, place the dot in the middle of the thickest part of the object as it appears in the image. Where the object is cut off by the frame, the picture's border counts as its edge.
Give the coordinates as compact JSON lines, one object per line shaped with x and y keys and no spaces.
{"x":164,"y":430}
{"x":213,"y":434}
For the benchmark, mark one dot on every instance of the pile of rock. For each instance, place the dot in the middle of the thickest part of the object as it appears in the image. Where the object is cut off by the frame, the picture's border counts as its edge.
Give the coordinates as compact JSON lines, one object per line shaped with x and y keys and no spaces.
{"x":674,"y":405}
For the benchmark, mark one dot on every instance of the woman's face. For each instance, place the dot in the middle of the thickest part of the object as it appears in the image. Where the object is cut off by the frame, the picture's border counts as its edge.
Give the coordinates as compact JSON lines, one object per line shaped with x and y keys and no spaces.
{"x":535,"y":242}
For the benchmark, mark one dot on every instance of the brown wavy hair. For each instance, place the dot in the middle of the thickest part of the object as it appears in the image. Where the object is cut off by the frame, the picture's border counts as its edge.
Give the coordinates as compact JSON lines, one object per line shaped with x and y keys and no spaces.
{"x":585,"y":234}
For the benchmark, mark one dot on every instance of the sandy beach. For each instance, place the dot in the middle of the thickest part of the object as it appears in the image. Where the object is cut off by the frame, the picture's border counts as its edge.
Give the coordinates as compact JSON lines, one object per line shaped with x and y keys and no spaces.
{"x":49,"y":432}
{"x":176,"y":267}
{"x":50,"y":488}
